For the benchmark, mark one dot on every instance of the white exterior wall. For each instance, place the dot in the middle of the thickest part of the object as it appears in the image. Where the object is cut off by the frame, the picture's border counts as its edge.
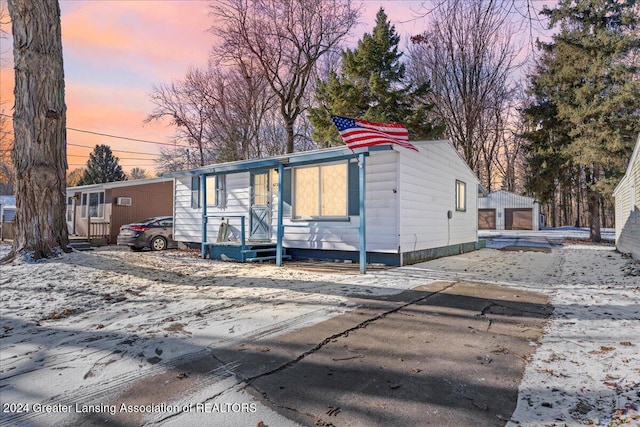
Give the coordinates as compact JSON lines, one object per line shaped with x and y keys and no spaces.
{"x":380,"y":209}
{"x":501,"y":200}
{"x":627,"y":206}
{"x":188,"y":221}
{"x":408,"y":195}
{"x":427,"y":188}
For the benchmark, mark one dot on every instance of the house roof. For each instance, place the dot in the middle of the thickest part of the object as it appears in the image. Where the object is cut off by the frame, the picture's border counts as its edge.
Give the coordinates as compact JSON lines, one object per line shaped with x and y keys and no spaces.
{"x":299,"y":158}
{"x":510,"y":194}
{"x":117,"y":184}
{"x":636,"y":153}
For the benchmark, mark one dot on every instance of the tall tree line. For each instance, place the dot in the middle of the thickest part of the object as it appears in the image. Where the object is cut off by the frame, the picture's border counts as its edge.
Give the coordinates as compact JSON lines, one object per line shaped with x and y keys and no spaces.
{"x":584,"y":109}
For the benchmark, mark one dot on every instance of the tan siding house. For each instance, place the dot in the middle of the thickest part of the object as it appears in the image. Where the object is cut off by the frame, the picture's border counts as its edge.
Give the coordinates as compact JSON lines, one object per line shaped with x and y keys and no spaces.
{"x":99,"y":210}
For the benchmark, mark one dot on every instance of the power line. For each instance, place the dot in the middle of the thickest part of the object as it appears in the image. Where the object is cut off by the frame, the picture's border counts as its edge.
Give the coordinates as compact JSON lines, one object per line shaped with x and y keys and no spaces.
{"x":114,"y":150}
{"x":107,"y":135}
{"x":120,"y":137}
{"x":119,"y":158}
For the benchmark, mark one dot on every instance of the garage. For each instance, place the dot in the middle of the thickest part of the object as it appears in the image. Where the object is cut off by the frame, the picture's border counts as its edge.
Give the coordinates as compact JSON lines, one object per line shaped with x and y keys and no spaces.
{"x":503,"y":210}
{"x":487,"y":219}
{"x":518,"y":219}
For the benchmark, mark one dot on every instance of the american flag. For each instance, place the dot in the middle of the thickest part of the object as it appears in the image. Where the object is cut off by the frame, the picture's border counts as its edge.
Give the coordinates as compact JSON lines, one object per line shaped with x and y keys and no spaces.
{"x":361,"y":133}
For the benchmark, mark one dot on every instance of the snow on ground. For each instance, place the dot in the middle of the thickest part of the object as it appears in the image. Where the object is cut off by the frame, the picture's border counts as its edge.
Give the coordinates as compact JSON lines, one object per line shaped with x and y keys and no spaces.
{"x":77,"y":328}
{"x":586,"y":369}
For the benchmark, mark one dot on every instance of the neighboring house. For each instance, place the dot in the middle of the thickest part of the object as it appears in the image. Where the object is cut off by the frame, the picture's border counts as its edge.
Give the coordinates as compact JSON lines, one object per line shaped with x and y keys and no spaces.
{"x":503,"y":210}
{"x":7,"y":208}
{"x":627,"y":196}
{"x":110,"y":205}
{"x":7,"y":213}
{"x":417,"y":206}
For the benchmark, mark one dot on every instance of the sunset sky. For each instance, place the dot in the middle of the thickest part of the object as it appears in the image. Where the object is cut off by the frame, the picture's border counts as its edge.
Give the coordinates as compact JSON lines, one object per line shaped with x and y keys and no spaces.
{"x":114,"y":51}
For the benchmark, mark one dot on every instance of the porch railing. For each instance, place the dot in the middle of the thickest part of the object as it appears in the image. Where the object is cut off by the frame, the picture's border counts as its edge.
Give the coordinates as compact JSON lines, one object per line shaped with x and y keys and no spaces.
{"x":97,"y":229}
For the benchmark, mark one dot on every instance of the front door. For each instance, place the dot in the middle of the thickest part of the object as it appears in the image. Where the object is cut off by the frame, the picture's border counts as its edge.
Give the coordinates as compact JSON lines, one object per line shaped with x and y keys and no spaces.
{"x":260,"y":210}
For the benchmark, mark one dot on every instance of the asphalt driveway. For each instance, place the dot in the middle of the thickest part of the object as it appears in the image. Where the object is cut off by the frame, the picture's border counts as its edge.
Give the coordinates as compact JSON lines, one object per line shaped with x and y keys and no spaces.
{"x":450,"y":353}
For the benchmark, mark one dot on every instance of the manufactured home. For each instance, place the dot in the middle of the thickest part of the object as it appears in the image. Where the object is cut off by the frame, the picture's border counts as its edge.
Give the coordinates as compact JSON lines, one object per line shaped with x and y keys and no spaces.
{"x":380,"y":204}
{"x":97,"y":211}
{"x":504,"y":210}
{"x":627,"y":207}
{"x":7,"y":214}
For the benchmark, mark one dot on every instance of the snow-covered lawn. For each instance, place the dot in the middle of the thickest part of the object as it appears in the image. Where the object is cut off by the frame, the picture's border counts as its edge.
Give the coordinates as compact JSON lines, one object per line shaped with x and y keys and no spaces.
{"x":76,"y":329}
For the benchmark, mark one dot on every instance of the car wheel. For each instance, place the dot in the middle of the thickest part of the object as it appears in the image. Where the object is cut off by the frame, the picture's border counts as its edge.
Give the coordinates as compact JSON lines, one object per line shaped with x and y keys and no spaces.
{"x":158,"y":243}
{"x":135,"y":248}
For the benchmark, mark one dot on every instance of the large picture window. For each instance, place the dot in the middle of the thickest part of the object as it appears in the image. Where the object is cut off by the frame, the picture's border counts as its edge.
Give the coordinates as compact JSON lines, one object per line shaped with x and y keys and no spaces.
{"x":93,"y":204}
{"x":320,"y":191}
{"x":461,"y":196}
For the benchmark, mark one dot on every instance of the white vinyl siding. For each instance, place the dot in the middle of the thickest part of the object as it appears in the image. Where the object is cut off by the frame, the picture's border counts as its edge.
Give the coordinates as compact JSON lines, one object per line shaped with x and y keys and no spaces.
{"x":380,"y":208}
{"x":189,"y":220}
{"x":427,"y":189}
{"x":627,"y":207}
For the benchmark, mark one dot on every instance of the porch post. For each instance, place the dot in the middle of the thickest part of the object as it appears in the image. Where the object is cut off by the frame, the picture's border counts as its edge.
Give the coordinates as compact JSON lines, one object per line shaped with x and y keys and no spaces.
{"x":362,"y":229}
{"x":279,"y":229}
{"x":203,"y":192}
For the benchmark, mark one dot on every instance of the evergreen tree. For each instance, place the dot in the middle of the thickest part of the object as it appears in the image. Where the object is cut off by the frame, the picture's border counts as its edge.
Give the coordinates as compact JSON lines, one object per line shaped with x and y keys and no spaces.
{"x":372,"y":86}
{"x":102,"y":167}
{"x":588,"y":75}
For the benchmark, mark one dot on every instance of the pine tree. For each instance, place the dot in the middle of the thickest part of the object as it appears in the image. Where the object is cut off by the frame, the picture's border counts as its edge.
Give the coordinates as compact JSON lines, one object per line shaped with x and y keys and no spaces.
{"x":592,"y":81}
{"x":102,"y":167}
{"x":372,"y":86}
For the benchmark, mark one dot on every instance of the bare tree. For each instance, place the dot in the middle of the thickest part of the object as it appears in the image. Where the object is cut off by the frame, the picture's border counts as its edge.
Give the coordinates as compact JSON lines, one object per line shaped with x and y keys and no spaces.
{"x":137,"y":173}
{"x":39,"y":120}
{"x":468,"y":57}
{"x":217,"y":112}
{"x":186,"y":107}
{"x":74,"y":177}
{"x":286,"y":38}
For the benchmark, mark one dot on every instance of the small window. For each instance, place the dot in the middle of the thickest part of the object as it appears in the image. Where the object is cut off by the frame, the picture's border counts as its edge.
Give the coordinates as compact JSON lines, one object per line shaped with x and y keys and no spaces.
{"x":195,"y":192}
{"x":216,"y":190}
{"x":461,"y":196}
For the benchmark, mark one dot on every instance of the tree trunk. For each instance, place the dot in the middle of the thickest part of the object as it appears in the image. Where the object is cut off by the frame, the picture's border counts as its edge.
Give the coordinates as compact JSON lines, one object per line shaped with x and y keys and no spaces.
{"x":39,"y":120}
{"x":290,"y":135}
{"x":594,"y":216}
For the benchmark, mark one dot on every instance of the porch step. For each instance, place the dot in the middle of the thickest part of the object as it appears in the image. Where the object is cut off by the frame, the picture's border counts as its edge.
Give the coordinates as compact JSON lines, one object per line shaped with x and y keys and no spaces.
{"x":81,"y":246}
{"x":266,"y":258}
{"x":257,"y":252}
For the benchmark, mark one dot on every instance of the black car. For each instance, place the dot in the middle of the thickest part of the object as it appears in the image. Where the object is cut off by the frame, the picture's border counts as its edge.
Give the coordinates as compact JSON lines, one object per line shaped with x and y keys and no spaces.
{"x":155,"y":233}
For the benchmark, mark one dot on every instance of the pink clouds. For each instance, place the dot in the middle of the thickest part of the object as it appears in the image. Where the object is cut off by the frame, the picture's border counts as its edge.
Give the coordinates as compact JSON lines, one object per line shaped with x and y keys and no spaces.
{"x":159,"y":38}
{"x":114,"y":51}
